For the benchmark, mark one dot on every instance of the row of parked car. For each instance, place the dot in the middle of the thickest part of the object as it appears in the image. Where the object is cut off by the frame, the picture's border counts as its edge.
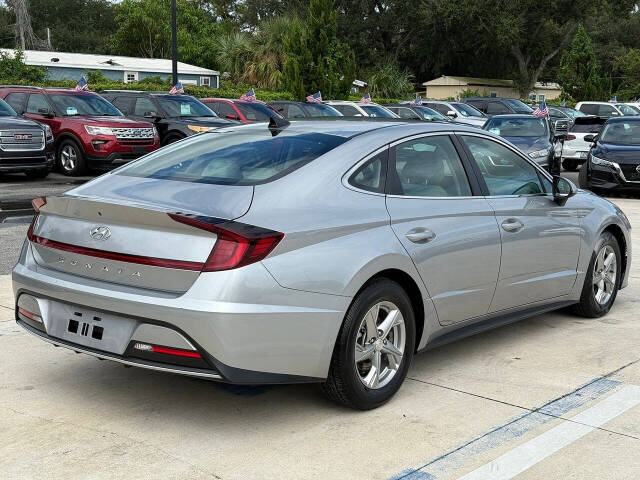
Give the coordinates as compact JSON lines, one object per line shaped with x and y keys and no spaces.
{"x":74,"y":131}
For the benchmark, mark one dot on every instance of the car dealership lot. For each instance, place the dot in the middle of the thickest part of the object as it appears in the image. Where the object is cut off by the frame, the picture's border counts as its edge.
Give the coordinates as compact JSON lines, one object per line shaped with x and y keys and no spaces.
{"x":560,"y":388}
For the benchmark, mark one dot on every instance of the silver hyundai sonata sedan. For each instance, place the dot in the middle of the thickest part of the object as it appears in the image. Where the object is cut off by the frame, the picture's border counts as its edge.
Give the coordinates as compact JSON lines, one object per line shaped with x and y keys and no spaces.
{"x":314,"y":251}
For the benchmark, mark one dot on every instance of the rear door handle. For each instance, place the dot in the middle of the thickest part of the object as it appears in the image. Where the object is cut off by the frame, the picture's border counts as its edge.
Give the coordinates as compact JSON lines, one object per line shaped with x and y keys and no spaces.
{"x":512,"y":225}
{"x":420,"y":235}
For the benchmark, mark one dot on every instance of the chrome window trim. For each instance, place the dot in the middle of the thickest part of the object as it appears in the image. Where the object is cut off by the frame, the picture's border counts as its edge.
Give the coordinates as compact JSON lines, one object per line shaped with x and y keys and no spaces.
{"x":359,"y":163}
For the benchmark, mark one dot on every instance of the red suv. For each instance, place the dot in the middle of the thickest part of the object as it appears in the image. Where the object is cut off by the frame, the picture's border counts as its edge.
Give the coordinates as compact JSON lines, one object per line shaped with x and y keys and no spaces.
{"x":89,"y":132}
{"x":245,"y":112}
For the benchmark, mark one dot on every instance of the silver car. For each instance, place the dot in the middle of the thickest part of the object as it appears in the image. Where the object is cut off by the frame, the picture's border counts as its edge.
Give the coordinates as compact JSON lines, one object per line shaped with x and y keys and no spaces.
{"x":314,"y":251}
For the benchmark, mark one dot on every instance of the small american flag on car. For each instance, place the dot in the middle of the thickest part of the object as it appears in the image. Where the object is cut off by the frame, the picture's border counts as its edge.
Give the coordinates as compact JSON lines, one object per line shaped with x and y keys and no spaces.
{"x":82,"y":84}
{"x":416,"y":101}
{"x":614,"y":99}
{"x":250,"y":96}
{"x":366,"y":98}
{"x":564,"y":103}
{"x":315,"y":98}
{"x":176,"y":89}
{"x":542,"y":110}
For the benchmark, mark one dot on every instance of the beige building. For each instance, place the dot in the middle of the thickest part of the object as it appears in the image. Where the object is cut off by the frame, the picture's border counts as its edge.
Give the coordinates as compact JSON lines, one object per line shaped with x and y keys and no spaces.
{"x":449,"y":87}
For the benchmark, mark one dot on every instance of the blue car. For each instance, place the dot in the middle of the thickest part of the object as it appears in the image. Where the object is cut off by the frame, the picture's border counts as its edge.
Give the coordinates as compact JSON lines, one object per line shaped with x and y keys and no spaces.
{"x":533,"y":135}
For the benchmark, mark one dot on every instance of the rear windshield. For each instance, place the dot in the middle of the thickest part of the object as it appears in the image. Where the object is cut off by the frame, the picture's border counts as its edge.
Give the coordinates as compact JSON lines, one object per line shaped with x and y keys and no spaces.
{"x":83,"y":104}
{"x":587,"y":127}
{"x":233,"y":158}
{"x":6,"y":110}
{"x":534,"y":127}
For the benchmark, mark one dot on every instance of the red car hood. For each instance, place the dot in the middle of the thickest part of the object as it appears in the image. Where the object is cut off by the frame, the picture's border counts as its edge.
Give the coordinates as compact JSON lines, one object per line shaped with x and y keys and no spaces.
{"x":121,"y":122}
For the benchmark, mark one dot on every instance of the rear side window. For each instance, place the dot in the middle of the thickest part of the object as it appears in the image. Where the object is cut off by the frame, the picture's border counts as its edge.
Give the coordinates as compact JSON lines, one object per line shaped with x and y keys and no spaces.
{"x":371,"y":175}
{"x":347,"y":110}
{"x":589,"y":109}
{"x":16,"y":100}
{"x":497,"y":108}
{"x":234,"y":158}
{"x":122,"y":104}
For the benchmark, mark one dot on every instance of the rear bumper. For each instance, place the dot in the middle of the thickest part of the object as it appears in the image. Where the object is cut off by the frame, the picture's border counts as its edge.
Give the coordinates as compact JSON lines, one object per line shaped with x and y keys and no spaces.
{"x":286,"y":338}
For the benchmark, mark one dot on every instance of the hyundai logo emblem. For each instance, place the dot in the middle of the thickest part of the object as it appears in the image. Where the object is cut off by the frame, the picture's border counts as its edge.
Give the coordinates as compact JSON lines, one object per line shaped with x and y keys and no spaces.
{"x":100,"y":233}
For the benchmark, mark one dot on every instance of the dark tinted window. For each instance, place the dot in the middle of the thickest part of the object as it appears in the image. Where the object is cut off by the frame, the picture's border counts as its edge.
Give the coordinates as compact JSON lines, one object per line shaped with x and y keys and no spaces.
{"x":478,"y":104}
{"x":16,"y":100}
{"x":518,"y":127}
{"x":320,"y":110}
{"x":6,"y":110}
{"x":256,"y":112}
{"x":144,"y":106}
{"x":295,"y":111}
{"x":504,"y":172}
{"x":347,"y":110}
{"x":587,"y":127}
{"x":494,"y":108}
{"x":467,"y":110}
{"x":439,"y":107}
{"x":184,"y":106}
{"x":122,"y":104}
{"x":233,"y":158}
{"x":404,"y":112}
{"x":429,"y":114}
{"x":372,"y":174}
{"x":36,"y":103}
{"x":626,"y":133}
{"x":518,"y":106}
{"x":429,"y":167}
{"x":223,"y":109}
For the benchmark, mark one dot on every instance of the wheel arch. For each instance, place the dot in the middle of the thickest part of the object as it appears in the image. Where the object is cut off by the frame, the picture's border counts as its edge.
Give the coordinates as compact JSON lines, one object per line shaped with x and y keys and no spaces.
{"x":617,"y":232}
{"x":173,"y":135}
{"x":68,"y":136}
{"x":409,"y":285}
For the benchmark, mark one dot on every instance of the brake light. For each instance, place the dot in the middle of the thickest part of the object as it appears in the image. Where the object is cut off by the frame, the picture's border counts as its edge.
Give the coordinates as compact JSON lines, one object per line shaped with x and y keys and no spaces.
{"x":237,"y":245}
{"x":570,"y":137}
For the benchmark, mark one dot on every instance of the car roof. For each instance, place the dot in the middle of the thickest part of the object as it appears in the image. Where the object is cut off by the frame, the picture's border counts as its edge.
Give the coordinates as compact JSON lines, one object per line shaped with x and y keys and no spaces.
{"x":630,"y":118}
{"x":231,"y":100}
{"x":514,"y":115}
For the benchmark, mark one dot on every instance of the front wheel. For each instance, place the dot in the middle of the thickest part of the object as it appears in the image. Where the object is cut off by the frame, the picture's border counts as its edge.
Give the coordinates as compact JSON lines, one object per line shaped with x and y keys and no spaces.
{"x":70,"y":158}
{"x":603,"y":278}
{"x":374,"y":348}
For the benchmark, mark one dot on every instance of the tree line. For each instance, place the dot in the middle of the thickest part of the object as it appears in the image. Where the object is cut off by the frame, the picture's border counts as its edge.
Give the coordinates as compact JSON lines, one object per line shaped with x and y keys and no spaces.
{"x":592,"y":47}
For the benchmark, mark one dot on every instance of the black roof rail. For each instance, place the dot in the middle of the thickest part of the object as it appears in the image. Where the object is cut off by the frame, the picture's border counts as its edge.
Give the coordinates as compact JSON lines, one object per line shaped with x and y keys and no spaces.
{"x":21,"y":86}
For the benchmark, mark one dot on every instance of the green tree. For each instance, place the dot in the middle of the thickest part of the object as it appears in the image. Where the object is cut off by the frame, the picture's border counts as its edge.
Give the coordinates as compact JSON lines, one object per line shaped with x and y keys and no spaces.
{"x":578,"y":70}
{"x":628,"y":65}
{"x":14,"y":70}
{"x":315,"y":58}
{"x":388,"y":80}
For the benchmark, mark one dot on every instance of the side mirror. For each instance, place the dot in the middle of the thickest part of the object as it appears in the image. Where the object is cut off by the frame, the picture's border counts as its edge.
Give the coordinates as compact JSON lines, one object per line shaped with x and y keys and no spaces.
{"x":563,"y":190}
{"x":151,"y":115}
{"x":231,"y":116}
{"x":452,"y":114}
{"x":45,"y":112}
{"x":591,"y":138}
{"x":560,"y":136}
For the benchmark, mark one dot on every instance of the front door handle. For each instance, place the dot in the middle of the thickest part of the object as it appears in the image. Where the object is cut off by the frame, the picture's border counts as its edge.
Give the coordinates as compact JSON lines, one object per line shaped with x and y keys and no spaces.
{"x":420,"y":235}
{"x":512,"y":225}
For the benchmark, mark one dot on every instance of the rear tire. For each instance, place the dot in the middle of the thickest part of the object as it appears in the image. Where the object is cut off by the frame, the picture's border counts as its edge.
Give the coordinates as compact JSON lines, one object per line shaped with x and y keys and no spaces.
{"x":602,"y":280}
{"x":570,"y":165}
{"x":41,"y":173}
{"x":360,"y":384}
{"x":70,"y":158}
{"x":582,"y":177}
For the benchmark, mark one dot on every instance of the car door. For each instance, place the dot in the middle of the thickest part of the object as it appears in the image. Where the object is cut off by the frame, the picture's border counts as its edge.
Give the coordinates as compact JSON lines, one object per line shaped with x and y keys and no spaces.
{"x":540,"y":239}
{"x":450,"y":233}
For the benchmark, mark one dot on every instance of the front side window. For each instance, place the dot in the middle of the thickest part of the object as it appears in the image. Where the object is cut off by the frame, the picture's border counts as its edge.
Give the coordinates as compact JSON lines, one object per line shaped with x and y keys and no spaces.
{"x":404,"y":112}
{"x":16,"y":100}
{"x":496,"y":108}
{"x":607,"y":111}
{"x":467,"y":110}
{"x":430,"y":114}
{"x":37,"y":103}
{"x":504,"y":171}
{"x":295,"y":111}
{"x":627,"y":110}
{"x":348,"y":110}
{"x":144,"y":106}
{"x":233,"y":157}
{"x":371,"y":175}
{"x":256,"y":112}
{"x":321,"y":110}
{"x":83,"y":104}
{"x":377,"y":111}
{"x":428,"y":167}
{"x":122,"y":104}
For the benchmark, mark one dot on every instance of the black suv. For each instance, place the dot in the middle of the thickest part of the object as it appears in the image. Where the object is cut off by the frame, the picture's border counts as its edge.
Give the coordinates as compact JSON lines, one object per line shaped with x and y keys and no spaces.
{"x":498,"y":106}
{"x":175,"y":116}
{"x":25,"y":146}
{"x":289,"y":109}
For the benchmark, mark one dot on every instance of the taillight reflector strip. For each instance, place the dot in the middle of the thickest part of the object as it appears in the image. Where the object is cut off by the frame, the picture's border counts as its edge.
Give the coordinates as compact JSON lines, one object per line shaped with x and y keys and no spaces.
{"x":178,"y":352}
{"x":26,"y":314}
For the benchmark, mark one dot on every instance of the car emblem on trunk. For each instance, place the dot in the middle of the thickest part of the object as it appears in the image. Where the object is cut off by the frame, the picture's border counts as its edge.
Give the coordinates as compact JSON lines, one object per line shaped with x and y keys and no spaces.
{"x":100,"y":233}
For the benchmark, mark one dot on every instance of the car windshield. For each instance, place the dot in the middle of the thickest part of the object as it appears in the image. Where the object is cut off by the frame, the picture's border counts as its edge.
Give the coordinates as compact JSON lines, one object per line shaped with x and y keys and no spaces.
{"x":429,"y":113}
{"x":184,"y":106}
{"x":6,"y":110}
{"x":518,"y":127}
{"x":256,"y":112}
{"x":320,"y":110}
{"x":467,"y":110}
{"x":627,"y":109}
{"x":377,"y":111}
{"x":625,"y":133}
{"x":518,"y":106}
{"x":83,"y":104}
{"x":233,"y":158}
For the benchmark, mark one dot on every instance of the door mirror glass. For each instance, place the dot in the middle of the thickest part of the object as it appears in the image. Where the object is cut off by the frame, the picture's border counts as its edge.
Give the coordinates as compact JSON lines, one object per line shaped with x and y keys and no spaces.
{"x":452,"y":114}
{"x":563,"y":189}
{"x":45,"y":112}
{"x":590,"y":138}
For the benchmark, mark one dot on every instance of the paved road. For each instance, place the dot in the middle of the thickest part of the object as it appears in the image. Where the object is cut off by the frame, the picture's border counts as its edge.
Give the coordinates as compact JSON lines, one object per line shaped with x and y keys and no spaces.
{"x":18,"y":186}
{"x":555,"y":396}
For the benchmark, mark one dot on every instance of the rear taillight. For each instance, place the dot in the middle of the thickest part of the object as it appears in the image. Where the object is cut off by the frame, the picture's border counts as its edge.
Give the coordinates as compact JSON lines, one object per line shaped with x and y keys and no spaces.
{"x":37,"y":204}
{"x":570,"y":137}
{"x":237,"y":245}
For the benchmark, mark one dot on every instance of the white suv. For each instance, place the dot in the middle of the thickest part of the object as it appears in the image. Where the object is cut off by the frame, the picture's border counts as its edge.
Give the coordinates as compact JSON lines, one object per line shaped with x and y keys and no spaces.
{"x":360,"y":109}
{"x":606,"y":109}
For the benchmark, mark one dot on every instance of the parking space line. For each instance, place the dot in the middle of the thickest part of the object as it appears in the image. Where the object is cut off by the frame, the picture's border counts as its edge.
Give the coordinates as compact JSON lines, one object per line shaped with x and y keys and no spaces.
{"x":537,"y":449}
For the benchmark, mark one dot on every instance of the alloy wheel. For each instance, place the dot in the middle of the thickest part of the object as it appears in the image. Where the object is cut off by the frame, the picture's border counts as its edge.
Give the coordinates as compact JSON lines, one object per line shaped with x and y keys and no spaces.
{"x":604,"y":275}
{"x":380,"y":345}
{"x":68,"y":158}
